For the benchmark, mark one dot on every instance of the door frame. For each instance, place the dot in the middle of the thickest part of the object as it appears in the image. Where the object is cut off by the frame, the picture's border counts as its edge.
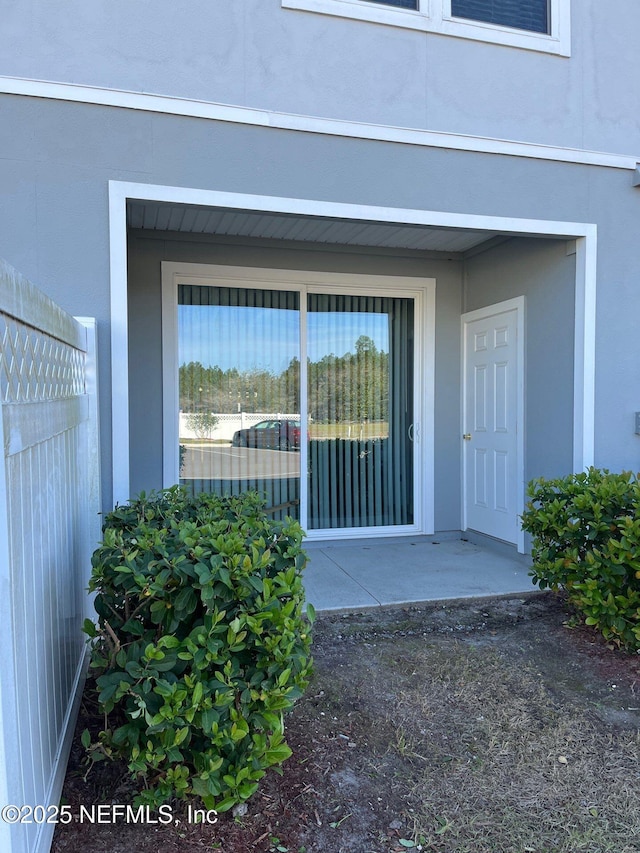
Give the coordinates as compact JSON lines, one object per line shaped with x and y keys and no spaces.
{"x":518,"y":304}
{"x":421,"y":289}
{"x":583,"y":237}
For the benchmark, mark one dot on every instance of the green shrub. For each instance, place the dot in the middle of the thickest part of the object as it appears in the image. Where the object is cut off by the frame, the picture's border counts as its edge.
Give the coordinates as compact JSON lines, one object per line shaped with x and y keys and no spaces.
{"x":201,"y":643}
{"x":202,"y":423}
{"x":585,"y":532}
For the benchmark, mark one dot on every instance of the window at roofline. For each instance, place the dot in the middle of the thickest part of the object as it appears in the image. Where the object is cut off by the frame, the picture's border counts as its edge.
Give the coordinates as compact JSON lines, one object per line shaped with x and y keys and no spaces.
{"x":403,"y":4}
{"x":530,"y":15}
{"x":539,"y":25}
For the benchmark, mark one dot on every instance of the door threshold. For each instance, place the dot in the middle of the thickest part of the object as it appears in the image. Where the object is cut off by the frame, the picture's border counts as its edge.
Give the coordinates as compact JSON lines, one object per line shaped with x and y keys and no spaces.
{"x":500,"y":546}
{"x":399,"y":539}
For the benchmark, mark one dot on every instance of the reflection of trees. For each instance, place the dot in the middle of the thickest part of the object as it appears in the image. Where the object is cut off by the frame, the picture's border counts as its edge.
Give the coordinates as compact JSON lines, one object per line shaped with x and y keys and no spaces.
{"x":211,"y":389}
{"x":350,"y":388}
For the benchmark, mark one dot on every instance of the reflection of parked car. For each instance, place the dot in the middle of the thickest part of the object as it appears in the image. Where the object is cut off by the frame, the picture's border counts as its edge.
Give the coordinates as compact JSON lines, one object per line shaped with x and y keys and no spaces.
{"x":277,"y":435}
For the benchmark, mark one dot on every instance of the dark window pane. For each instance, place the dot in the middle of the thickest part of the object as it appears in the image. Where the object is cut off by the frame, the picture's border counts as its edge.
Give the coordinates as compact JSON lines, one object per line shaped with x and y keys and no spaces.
{"x":360,"y":403}
{"x":405,"y":4}
{"x":529,"y":15}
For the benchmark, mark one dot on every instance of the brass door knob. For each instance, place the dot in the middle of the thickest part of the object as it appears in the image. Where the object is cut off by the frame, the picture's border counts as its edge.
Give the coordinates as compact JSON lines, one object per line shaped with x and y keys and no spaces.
{"x":467,"y":436}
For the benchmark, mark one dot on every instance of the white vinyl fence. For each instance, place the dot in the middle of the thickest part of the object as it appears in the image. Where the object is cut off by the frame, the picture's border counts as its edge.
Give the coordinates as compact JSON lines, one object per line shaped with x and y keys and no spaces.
{"x":49,"y":525}
{"x":227,"y":424}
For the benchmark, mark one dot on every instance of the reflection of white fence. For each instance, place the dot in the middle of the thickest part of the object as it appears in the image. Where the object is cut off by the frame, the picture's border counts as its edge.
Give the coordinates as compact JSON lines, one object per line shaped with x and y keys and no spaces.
{"x":49,"y":525}
{"x":228,"y":423}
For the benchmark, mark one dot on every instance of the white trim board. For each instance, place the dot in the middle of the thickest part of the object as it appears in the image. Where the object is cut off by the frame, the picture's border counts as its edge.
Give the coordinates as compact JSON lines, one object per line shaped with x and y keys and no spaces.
{"x":584,"y":369}
{"x":585,"y":235}
{"x":212,"y":111}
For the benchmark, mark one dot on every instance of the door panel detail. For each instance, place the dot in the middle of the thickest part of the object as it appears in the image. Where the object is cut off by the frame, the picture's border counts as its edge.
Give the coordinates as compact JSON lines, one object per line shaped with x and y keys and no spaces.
{"x":480,"y":398}
{"x":501,"y":386}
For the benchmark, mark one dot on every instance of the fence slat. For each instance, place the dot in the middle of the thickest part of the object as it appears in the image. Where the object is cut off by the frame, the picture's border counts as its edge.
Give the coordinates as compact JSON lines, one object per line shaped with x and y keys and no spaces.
{"x":49,"y":524}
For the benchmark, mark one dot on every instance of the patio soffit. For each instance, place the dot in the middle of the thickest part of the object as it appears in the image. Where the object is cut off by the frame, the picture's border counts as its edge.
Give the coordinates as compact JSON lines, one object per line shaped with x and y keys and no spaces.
{"x":194,"y":219}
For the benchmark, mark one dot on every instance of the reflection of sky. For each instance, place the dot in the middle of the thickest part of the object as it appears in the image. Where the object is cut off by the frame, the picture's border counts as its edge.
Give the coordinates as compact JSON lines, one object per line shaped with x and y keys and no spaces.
{"x":232,"y":336}
{"x":268,"y":338}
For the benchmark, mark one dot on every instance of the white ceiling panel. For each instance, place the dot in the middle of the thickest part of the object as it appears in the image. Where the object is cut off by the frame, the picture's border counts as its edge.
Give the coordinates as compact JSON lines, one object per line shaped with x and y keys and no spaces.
{"x":189,"y":219}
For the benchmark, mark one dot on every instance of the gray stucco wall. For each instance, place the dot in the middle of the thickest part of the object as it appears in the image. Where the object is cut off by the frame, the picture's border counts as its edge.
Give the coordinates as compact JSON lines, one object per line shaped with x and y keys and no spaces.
{"x":145,"y":354}
{"x":542,"y":272}
{"x":57,"y":158}
{"x":255,"y":53}
{"x":617,"y":325}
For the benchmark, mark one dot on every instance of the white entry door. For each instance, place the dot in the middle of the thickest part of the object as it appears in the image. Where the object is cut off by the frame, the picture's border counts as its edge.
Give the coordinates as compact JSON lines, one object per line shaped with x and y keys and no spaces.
{"x":492,"y":420}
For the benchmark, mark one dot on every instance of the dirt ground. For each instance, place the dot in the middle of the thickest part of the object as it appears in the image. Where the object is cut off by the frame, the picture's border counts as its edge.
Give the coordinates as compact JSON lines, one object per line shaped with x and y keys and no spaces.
{"x":487,"y":726}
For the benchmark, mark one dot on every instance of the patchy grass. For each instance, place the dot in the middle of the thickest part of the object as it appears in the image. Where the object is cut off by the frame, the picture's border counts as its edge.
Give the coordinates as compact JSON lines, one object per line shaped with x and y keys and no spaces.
{"x":478,"y":727}
{"x":494,"y":762}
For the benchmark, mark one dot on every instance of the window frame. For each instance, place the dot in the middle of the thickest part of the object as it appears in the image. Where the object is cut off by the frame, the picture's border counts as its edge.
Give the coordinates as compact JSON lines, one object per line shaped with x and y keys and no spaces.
{"x":434,"y":16}
{"x":421,"y":289}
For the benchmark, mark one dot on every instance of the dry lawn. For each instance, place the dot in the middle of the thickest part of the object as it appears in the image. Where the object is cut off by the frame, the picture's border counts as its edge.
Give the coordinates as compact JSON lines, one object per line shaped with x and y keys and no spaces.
{"x":477,"y":727}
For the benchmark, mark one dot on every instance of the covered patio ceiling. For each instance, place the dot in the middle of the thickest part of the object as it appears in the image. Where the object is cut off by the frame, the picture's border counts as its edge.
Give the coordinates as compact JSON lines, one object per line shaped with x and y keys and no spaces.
{"x":157,"y":216}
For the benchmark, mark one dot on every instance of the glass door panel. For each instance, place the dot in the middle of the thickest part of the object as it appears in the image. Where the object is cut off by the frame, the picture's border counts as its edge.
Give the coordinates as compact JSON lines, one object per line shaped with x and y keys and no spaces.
{"x":239,"y":392}
{"x":360,"y":404}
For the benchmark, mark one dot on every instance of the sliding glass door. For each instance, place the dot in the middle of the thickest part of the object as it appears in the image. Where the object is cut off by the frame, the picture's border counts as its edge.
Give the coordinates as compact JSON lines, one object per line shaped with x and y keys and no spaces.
{"x":332,"y":444}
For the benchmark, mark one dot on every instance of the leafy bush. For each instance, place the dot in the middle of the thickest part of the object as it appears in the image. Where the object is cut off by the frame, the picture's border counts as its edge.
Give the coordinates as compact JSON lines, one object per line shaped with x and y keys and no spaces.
{"x":202,"y":423}
{"x":201,"y":643}
{"x":586,"y":540}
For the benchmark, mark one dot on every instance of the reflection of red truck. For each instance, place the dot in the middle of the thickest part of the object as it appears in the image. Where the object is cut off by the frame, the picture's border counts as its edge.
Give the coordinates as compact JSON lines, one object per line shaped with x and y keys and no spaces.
{"x":276,"y":435}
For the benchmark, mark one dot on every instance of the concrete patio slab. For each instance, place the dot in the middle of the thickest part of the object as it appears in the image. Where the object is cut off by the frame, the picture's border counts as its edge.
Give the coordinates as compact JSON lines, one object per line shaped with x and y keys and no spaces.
{"x":369,"y":573}
{"x":327,"y":583}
